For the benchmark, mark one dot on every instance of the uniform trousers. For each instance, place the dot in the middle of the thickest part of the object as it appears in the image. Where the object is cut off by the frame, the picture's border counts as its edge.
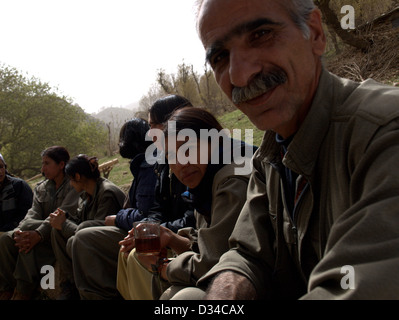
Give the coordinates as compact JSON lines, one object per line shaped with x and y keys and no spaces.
{"x":22,"y":271}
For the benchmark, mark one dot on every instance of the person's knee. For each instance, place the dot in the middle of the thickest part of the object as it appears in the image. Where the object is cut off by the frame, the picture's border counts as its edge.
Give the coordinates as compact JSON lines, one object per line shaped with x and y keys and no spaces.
{"x":56,"y":234}
{"x":80,"y":237}
{"x":6,"y":240}
{"x":77,"y":242}
{"x":186,"y":293}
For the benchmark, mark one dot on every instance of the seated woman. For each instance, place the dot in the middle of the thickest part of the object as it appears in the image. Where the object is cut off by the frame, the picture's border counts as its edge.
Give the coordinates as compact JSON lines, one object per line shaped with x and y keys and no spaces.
{"x":216,"y":191}
{"x":96,"y":248}
{"x":15,"y":199}
{"x":26,"y":249}
{"x":169,"y":207}
{"x":99,"y":197}
{"x":132,"y":145}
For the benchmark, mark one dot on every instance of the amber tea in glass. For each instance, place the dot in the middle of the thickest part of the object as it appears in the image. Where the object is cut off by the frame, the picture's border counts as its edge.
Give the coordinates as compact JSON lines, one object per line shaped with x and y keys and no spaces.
{"x":147,"y":237}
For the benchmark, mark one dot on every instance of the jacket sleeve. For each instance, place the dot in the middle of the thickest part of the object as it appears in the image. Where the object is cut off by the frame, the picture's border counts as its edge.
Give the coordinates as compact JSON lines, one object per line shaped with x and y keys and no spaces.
{"x":72,"y":222}
{"x":143,"y":199}
{"x":362,"y":254}
{"x":251,"y":251}
{"x":69,"y":204}
{"x":169,"y":207}
{"x":22,"y":198}
{"x":125,"y":218}
{"x":25,"y":198}
{"x":145,"y":190}
{"x":35,"y":213}
{"x":188,"y":267}
{"x":110,"y":203}
{"x":187,"y":220}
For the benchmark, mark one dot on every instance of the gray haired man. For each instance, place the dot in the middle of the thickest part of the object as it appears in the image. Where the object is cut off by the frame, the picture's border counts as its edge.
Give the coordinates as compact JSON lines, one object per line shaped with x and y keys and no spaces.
{"x":321,"y":218}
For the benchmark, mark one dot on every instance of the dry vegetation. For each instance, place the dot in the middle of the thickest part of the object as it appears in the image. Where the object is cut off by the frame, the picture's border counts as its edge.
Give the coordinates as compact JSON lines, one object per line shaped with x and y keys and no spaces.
{"x":380,"y":62}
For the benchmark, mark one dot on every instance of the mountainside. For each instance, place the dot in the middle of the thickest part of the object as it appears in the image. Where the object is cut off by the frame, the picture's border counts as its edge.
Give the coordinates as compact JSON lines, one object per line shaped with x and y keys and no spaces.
{"x":114,"y":115}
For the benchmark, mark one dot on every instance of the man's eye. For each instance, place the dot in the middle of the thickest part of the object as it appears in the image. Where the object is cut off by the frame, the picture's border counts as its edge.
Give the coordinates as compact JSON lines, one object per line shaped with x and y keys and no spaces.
{"x":218,"y":58}
{"x":263,"y":34}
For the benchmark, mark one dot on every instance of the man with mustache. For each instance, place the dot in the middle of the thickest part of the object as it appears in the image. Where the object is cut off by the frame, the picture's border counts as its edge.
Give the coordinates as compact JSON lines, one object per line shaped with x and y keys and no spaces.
{"x":321,"y":218}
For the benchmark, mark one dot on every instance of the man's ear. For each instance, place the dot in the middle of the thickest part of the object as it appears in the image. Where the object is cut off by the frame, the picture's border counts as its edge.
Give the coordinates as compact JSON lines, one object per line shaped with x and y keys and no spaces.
{"x":317,"y":35}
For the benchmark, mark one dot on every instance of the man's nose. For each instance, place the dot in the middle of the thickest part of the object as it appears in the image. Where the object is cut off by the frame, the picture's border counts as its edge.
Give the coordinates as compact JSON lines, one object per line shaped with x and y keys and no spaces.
{"x":244,"y":66}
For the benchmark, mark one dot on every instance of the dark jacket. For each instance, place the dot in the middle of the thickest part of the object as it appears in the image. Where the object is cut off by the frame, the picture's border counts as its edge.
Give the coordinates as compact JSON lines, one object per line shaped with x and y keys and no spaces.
{"x":201,"y":196}
{"x":169,"y":206}
{"x":141,"y":193}
{"x":15,"y":200}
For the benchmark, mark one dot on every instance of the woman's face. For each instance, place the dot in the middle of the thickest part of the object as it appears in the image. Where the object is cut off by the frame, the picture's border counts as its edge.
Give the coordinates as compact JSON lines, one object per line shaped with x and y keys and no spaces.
{"x":185,"y":161}
{"x":76,"y":183}
{"x":2,"y":171}
{"x":52,"y":169}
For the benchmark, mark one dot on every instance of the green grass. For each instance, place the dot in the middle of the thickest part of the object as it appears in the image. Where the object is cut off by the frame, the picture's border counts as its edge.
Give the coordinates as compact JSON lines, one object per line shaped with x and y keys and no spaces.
{"x":120,"y":174}
{"x":238,"y":120}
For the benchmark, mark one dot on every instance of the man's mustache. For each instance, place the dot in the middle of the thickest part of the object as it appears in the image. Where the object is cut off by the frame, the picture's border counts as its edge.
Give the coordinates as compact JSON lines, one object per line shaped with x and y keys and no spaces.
{"x":261,"y":84}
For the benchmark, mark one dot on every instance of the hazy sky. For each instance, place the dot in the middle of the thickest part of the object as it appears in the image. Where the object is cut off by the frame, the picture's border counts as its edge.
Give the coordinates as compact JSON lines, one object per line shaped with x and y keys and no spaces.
{"x":100,"y":53}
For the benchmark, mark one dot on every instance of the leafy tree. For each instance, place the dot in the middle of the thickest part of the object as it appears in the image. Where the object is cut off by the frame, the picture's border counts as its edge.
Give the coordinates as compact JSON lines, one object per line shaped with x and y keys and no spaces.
{"x":34,"y":117}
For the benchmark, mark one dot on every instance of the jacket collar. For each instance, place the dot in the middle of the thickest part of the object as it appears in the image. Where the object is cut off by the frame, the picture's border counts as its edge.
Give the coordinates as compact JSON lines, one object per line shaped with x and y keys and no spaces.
{"x":302,"y":152}
{"x":50,"y":185}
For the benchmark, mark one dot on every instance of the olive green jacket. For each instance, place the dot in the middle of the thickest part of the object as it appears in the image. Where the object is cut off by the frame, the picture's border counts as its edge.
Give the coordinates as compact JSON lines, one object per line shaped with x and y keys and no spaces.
{"x":47,"y":199}
{"x":211,"y":239}
{"x":345,"y":229}
{"x":107,"y":200}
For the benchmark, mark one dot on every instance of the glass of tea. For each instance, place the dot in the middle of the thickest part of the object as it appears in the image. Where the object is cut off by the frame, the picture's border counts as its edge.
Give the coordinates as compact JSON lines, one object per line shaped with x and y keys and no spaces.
{"x":147,"y":237}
